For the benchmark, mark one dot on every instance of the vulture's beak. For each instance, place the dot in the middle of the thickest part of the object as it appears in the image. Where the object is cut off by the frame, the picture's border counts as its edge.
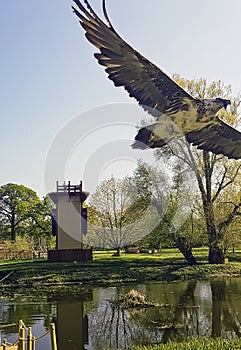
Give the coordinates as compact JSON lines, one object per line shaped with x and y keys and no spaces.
{"x":226,"y":103}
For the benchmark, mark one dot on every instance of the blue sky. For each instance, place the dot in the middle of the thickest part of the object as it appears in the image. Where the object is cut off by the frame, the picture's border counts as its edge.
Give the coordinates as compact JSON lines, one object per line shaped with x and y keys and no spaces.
{"x":48,"y":77}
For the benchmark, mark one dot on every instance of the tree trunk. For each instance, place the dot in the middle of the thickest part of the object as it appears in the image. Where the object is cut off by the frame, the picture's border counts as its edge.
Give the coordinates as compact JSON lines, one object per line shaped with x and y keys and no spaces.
{"x":183,"y":245}
{"x":118,"y":252}
{"x":216,"y":255}
{"x":186,"y":250}
{"x":13,"y":233}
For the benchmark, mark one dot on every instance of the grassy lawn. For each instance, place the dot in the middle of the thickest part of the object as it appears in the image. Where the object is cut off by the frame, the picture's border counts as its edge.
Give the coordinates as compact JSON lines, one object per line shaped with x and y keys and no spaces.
{"x":106,"y":269}
{"x":199,"y":344}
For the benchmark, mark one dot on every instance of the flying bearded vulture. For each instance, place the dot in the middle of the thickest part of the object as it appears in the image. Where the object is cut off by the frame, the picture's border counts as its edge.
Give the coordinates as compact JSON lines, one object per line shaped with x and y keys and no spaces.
{"x":176,"y":112}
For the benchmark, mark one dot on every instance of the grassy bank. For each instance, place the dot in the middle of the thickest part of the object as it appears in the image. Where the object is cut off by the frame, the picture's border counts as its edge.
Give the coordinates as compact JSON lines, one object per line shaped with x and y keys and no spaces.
{"x":206,"y":344}
{"x":106,"y":269}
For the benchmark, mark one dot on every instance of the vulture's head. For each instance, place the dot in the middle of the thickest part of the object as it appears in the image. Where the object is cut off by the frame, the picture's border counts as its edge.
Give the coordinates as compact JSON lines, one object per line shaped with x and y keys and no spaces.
{"x":215,"y":104}
{"x":222,"y":102}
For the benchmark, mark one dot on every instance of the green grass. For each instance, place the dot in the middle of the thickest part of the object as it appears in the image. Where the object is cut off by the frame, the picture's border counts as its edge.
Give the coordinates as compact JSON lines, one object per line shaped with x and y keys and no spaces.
{"x":106,"y":269}
{"x":198,"y":344}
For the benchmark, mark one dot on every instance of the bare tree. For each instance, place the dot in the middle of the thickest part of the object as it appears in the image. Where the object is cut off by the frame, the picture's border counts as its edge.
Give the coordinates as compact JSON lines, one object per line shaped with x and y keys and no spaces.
{"x":114,"y":214}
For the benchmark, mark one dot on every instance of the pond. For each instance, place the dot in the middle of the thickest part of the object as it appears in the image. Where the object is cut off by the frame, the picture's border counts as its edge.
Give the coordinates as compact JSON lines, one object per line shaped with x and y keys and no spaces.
{"x":85,"y":318}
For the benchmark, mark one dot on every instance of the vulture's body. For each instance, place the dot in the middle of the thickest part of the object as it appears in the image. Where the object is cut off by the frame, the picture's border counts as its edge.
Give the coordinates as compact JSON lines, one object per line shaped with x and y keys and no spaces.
{"x":177,"y":113}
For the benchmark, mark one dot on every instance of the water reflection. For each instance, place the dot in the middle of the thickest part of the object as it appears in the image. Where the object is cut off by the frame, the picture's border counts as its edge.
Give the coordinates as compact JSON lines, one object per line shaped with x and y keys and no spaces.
{"x":88,"y":320}
{"x":72,"y":322}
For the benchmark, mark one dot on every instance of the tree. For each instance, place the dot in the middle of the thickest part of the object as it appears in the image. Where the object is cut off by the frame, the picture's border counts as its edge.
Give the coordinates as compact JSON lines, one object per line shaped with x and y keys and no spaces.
{"x":228,"y":215}
{"x":114,"y":215}
{"x":38,"y":227}
{"x":169,"y":197}
{"x":214,"y":174}
{"x":21,"y":211}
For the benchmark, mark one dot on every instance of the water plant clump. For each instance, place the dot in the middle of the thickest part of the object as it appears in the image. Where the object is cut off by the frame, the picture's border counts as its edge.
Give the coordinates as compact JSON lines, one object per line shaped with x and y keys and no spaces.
{"x":133,"y":299}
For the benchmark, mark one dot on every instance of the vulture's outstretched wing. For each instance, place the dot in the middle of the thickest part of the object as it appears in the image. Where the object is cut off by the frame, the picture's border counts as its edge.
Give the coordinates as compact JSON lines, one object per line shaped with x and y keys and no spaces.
{"x":219,"y":139}
{"x":150,"y":86}
{"x":157,"y":92}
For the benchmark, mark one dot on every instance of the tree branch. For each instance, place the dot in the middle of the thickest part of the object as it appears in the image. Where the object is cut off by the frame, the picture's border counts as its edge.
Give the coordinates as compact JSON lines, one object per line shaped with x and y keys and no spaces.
{"x":222,"y":186}
{"x":235,"y":212}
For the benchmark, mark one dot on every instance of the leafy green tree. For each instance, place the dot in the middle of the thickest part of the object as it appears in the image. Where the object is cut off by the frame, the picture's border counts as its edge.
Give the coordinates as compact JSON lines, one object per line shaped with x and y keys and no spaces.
{"x":38,"y":227}
{"x":169,"y":198}
{"x":228,"y":216}
{"x":22,"y":212}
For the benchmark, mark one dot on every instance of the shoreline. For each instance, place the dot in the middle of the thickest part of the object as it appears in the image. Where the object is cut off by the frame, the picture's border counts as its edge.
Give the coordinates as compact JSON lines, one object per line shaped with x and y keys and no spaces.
{"x":107,"y":270}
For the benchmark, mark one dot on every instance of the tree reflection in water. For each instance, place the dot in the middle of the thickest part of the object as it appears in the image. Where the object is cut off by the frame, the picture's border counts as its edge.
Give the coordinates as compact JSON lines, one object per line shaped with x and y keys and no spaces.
{"x":114,"y":327}
{"x":88,"y":320}
{"x":226,"y":311}
{"x":198,"y":309}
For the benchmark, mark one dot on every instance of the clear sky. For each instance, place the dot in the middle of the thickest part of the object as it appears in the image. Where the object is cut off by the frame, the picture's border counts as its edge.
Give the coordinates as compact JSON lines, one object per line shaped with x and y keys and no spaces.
{"x":50,"y":82}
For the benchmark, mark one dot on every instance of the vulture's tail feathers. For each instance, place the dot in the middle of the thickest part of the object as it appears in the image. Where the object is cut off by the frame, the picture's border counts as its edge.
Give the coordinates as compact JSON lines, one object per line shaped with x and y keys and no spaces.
{"x":147,"y":137}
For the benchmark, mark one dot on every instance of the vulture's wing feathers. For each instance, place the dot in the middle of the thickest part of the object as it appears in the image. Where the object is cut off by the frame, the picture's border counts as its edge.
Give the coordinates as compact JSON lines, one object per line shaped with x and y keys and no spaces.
{"x":144,"y":81}
{"x":220,"y":139}
{"x":157,"y":92}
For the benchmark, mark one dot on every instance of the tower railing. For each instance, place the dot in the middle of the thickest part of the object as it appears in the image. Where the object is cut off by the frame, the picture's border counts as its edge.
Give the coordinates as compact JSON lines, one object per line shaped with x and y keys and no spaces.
{"x":70,"y":189}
